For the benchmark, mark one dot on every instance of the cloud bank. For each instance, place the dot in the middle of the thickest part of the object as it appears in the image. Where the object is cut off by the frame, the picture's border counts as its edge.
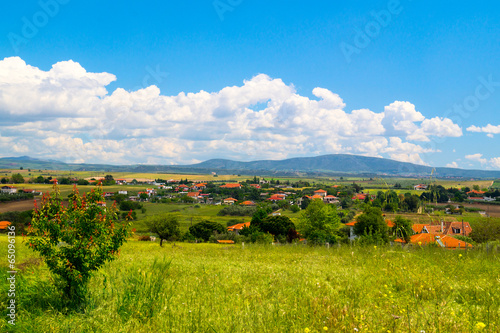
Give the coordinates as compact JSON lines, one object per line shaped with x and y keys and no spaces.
{"x":67,"y":113}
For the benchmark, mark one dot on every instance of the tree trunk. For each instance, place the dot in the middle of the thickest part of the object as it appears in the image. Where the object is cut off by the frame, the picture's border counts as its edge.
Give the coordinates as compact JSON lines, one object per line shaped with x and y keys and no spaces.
{"x":161,"y":241}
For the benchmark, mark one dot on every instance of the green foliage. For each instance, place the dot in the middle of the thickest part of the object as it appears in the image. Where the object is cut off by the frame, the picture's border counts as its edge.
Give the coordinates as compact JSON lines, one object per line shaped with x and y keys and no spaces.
{"x":235,"y":210}
{"x":166,"y":226}
{"x":75,"y":240}
{"x":17,"y":178}
{"x":486,"y":231}
{"x":277,"y":225}
{"x":294,"y":208}
{"x":257,"y":218}
{"x":402,"y":228}
{"x":371,"y":224}
{"x":319,"y":222}
{"x":20,"y":220}
{"x":204,"y":229}
{"x":15,"y":196}
{"x":130,"y":205}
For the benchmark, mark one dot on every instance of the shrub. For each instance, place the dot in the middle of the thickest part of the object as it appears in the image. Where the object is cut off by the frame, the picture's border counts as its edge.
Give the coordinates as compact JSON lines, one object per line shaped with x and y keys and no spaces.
{"x":234,"y":210}
{"x":75,"y":240}
{"x":204,"y":229}
{"x":144,"y":238}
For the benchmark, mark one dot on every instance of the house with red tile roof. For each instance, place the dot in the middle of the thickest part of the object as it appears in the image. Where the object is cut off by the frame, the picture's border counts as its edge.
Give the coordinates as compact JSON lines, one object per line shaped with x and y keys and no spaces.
{"x":257,"y":186}
{"x":443,"y":241}
{"x":8,"y":189}
{"x":330,"y":199}
{"x":247,"y":203}
{"x":195,"y":195}
{"x":276,"y":197}
{"x":359,"y":196}
{"x":231,"y":185}
{"x":475,"y":193}
{"x":321,"y":193}
{"x":230,"y":201}
{"x":237,"y":227}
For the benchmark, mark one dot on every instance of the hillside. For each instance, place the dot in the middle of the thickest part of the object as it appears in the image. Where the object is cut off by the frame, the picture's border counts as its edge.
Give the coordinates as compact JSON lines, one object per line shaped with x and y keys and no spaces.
{"x":325,"y":165}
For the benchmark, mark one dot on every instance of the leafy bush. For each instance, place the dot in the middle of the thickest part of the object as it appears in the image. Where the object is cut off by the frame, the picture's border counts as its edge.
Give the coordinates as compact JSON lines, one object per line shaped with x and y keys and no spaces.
{"x":204,"y":229}
{"x":130,"y":205}
{"x":486,"y":231}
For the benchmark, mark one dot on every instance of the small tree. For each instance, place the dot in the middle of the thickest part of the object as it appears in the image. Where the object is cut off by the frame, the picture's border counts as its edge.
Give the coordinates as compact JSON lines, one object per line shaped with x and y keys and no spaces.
{"x":319,"y":222}
{"x":165,"y":226}
{"x":75,"y":240}
{"x":371,"y":224}
{"x":17,"y":178}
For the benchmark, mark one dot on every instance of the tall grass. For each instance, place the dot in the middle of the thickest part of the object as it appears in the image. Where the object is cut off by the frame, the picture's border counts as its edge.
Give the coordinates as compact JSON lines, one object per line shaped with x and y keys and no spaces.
{"x":256,"y":288}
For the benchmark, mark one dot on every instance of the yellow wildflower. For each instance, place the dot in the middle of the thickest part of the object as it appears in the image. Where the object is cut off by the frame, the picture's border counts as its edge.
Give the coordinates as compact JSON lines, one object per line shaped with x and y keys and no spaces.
{"x":480,"y":326}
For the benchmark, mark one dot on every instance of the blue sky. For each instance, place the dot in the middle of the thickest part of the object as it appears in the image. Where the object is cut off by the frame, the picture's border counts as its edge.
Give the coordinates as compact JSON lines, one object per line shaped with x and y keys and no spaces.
{"x":180,"y":82}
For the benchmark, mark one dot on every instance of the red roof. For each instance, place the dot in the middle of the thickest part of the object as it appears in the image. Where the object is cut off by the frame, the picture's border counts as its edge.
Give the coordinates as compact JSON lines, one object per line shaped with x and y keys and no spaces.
{"x":320,"y":191}
{"x":247,"y":203}
{"x":231,"y":185}
{"x":238,"y":226}
{"x":360,"y":196}
{"x":4,"y":225}
{"x":225,"y":241}
{"x":389,"y":223}
{"x":230,"y":199}
{"x":446,"y":241}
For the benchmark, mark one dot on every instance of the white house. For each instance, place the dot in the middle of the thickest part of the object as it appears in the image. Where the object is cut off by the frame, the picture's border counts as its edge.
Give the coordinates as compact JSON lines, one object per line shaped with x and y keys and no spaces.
{"x":9,"y":189}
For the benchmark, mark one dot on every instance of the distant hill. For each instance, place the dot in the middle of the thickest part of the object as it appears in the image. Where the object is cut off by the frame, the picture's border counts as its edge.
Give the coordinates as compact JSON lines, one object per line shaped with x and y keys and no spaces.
{"x":326,"y":165}
{"x":342,"y":164}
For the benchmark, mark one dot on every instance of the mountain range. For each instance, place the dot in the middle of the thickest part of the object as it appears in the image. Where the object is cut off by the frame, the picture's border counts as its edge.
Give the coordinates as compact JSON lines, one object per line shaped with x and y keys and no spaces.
{"x":324,"y":165}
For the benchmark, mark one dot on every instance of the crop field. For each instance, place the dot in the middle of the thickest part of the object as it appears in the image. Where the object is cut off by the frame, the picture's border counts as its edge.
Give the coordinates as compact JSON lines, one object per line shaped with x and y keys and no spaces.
{"x":295,"y":288}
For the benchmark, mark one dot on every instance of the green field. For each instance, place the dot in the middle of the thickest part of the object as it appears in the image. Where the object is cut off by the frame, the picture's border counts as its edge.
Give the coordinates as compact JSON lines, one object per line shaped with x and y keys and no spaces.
{"x":212,"y":288}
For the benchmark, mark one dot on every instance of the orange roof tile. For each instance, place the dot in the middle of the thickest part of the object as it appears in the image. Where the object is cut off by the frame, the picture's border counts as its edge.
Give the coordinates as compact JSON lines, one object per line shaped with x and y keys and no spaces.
{"x":238,"y":226}
{"x":417,"y":228}
{"x":225,"y":241}
{"x":4,"y":225}
{"x":231,"y":185}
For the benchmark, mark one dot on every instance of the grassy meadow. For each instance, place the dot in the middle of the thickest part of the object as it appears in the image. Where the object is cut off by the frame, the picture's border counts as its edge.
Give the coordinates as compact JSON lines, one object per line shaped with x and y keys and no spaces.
{"x":257,"y":288}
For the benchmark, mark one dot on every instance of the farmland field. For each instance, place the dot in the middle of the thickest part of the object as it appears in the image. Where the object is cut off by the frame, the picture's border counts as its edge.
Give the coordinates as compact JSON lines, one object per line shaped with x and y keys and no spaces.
{"x":212,"y":288}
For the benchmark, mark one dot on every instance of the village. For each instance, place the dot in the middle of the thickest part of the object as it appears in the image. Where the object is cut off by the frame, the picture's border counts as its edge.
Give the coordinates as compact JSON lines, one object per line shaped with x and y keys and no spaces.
{"x":424,"y":206}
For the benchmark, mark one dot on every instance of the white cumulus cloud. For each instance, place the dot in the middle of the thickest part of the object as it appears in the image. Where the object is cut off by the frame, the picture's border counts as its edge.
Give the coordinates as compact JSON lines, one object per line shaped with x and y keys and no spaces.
{"x":67,"y":113}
